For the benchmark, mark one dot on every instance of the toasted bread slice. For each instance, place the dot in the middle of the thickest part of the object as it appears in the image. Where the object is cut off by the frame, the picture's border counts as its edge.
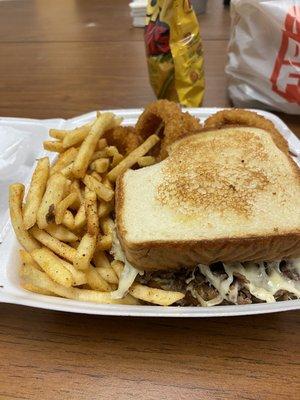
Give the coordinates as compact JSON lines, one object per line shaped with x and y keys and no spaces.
{"x":229,"y":194}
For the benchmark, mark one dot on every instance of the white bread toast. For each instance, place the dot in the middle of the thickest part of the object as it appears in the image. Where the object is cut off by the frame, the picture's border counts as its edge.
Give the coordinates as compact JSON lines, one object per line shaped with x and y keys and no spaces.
{"x":228,"y":194}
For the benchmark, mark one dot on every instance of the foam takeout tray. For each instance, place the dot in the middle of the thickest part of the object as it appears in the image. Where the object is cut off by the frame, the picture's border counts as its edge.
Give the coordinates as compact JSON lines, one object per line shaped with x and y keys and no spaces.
{"x":10,"y":290}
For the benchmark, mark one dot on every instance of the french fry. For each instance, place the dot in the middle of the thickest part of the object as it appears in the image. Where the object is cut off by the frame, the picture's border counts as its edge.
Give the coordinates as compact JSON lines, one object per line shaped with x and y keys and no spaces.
{"x":58,"y":267}
{"x":91,"y":213}
{"x":64,"y":160}
{"x":61,"y":249}
{"x":100,"y":165}
{"x":104,"y":243}
{"x":102,"y":192}
{"x":104,"y":268}
{"x":62,"y":207}
{"x":68,"y":220}
{"x":116,"y":160}
{"x":118,"y":267}
{"x":51,"y":264}
{"x":58,"y":134}
{"x":55,"y":146}
{"x":107,"y":225}
{"x":76,"y":136}
{"x":97,"y":155}
{"x":133,"y":157}
{"x":31,"y":288}
{"x":61,"y":233}
{"x":53,"y":195}
{"x":106,"y":182}
{"x":155,"y":296}
{"x":105,"y":208}
{"x":67,"y":190}
{"x":75,"y":187}
{"x":146,"y":161}
{"x":26,"y":258}
{"x":102,"y":143}
{"x":111,"y":151}
{"x":102,"y":298}
{"x":96,"y":282}
{"x":32,"y":276}
{"x":16,"y":194}
{"x":79,"y":277}
{"x":85,"y":252}
{"x":35,"y":193}
{"x":95,"y":175}
{"x":104,"y":122}
{"x":80,"y":217}
{"x":109,"y":275}
{"x":100,"y":260}
{"x":68,"y":171}
{"x":40,"y":280}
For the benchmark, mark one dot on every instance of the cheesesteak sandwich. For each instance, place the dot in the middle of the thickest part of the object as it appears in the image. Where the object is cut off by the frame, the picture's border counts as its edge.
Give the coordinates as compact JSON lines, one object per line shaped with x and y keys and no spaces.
{"x":219,"y":218}
{"x":166,"y":212}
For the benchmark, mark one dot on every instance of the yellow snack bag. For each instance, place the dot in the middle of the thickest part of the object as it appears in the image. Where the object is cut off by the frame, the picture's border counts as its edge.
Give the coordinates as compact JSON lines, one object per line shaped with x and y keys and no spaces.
{"x":174,"y":52}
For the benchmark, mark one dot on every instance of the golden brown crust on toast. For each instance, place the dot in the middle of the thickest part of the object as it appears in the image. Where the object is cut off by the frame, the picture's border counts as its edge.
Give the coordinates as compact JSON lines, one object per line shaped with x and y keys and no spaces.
{"x":174,"y":255}
{"x":162,"y":255}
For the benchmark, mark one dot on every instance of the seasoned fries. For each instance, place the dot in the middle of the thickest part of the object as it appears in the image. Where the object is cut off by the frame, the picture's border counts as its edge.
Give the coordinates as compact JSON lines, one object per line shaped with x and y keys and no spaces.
{"x":102,"y":192}
{"x":52,"y":196}
{"x":105,"y":208}
{"x":133,"y":157}
{"x":95,"y":175}
{"x":66,"y":225}
{"x":117,"y":266}
{"x":108,"y":274}
{"x":96,"y":282}
{"x":100,"y":260}
{"x":64,"y":160}
{"x":58,"y":247}
{"x":62,"y":207}
{"x":35,"y":193}
{"x":50,"y":263}
{"x":57,"y":134}
{"x":104,"y":122}
{"x":79,"y":277}
{"x":146,"y":161}
{"x":61,"y":233}
{"x":156,"y":296}
{"x":85,"y":251}
{"x":80,"y":217}
{"x":56,"y":146}
{"x":107,"y":225}
{"x":28,"y":262}
{"x":104,"y":243}
{"x":16,"y":194}
{"x":91,"y":213}
{"x":100,"y":165}
{"x":72,"y":138}
{"x":68,"y":220}
{"x":27,"y":258}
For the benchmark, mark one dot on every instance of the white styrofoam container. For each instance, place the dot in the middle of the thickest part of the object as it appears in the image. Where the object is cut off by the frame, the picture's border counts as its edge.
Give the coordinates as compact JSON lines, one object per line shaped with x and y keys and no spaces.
{"x":10,"y":290}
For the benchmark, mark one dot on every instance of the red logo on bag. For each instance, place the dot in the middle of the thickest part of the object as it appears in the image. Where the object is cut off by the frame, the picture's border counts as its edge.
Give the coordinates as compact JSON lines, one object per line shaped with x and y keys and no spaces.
{"x":285,"y":78}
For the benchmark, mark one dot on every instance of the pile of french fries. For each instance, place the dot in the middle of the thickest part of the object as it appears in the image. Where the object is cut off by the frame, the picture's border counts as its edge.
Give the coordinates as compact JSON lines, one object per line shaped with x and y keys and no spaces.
{"x":65,"y":222}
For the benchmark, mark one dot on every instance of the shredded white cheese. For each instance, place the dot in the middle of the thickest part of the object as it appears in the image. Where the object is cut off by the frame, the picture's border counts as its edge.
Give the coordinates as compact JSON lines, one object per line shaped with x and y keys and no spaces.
{"x":128,"y":274}
{"x":222,"y":285}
